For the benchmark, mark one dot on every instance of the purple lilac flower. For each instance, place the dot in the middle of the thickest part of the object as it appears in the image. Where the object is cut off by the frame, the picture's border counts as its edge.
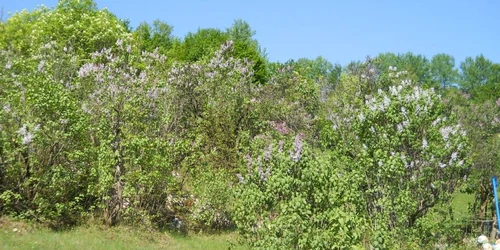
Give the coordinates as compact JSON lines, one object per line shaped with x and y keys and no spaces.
{"x":240,"y":178}
{"x":298,"y":148}
{"x":262,"y":174}
{"x":268,"y":152}
{"x":280,"y":146}
{"x":249,"y":160}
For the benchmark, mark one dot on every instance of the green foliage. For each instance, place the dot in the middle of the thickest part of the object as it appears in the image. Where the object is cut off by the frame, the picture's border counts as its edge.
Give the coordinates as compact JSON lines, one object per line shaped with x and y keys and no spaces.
{"x":150,"y":37}
{"x":201,"y":44}
{"x":482,"y":120}
{"x":418,"y":66}
{"x":76,"y":24}
{"x":406,"y":148}
{"x":292,"y":199}
{"x":126,"y":106}
{"x":43,"y":139}
{"x":290,"y":98}
{"x":245,"y":46}
{"x":480,"y":78}
{"x":212,"y":208}
{"x":411,"y":154}
{"x":443,"y":70}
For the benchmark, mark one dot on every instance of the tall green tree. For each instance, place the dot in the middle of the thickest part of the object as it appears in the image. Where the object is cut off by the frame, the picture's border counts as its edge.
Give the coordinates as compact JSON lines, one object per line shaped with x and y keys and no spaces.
{"x":479,"y":77}
{"x":200,"y":45}
{"x":242,"y":32}
{"x":246,"y":46}
{"x":72,"y":23}
{"x":443,"y":70}
{"x":158,"y":35}
{"x":417,"y":65}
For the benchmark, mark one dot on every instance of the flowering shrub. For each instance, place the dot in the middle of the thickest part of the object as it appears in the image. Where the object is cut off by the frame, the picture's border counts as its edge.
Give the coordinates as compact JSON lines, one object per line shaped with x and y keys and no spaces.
{"x":127,"y":101}
{"x":410,"y":154}
{"x":292,"y":199}
{"x":42,"y":138}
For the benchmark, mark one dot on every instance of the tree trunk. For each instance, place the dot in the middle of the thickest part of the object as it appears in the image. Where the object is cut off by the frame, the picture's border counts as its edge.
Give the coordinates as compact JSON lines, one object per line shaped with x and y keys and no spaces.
{"x":483,"y":199}
{"x":115,"y":203}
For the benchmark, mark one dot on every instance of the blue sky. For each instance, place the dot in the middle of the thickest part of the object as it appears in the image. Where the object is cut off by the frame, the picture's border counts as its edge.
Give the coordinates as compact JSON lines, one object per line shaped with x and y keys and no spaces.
{"x":340,"y":31}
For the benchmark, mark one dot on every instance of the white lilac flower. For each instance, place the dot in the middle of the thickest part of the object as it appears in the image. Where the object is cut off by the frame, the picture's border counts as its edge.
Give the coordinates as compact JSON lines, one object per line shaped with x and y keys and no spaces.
{"x":424,"y":143}
{"x":403,"y":110}
{"x":9,"y":65}
{"x":387,"y":101}
{"x":298,"y":149}
{"x":406,"y":123}
{"x":404,"y":83}
{"x":454,"y":156}
{"x":41,"y":65}
{"x":240,"y":178}
{"x":442,"y":165}
{"x":463,"y":132}
{"x":445,"y":132}
{"x":435,"y":122}
{"x":417,"y":109}
{"x":23,"y":130}
{"x":393,"y":90}
{"x":6,"y":108}
{"x":27,"y":138}
{"x":361,"y":117}
{"x":400,"y":128}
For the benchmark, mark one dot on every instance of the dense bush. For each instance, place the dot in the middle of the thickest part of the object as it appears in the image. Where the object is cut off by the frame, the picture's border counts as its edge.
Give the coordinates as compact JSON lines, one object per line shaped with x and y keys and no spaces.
{"x":293,"y":198}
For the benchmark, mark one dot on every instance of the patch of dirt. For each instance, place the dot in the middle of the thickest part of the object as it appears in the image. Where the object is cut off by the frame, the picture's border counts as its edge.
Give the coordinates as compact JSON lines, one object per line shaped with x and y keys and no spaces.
{"x":14,"y":226}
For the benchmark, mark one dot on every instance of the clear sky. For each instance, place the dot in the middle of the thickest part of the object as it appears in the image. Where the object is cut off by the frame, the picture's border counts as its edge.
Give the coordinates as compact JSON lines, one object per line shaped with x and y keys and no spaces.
{"x":340,"y":31}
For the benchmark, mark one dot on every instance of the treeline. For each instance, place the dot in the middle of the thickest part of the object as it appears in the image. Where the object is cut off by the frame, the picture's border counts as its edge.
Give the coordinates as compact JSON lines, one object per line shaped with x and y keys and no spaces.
{"x":101,"y":121}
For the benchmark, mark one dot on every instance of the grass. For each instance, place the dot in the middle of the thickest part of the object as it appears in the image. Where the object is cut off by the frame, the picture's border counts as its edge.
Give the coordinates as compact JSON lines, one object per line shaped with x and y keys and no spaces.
{"x":20,"y":235}
{"x":460,"y":204}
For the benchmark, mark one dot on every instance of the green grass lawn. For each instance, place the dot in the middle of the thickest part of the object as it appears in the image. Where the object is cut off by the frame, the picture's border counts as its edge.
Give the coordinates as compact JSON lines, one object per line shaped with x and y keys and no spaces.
{"x":19,"y":235}
{"x":460,"y":204}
